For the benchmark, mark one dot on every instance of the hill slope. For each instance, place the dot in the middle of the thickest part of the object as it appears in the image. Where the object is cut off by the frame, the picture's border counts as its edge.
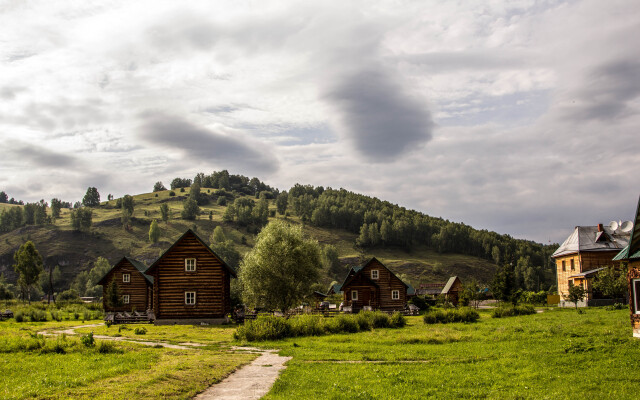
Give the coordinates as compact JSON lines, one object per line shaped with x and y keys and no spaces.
{"x":76,"y":251}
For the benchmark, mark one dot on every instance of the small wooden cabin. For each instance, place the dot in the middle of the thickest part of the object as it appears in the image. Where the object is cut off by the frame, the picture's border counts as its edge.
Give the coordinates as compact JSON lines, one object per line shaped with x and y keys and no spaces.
{"x":190,"y":282}
{"x":452,"y":290}
{"x":631,"y":256}
{"x":134,"y":286}
{"x":374,"y":285}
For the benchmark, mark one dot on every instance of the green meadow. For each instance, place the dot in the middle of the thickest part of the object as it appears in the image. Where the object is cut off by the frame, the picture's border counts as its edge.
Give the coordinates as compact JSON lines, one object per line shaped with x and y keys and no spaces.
{"x":556,"y":354}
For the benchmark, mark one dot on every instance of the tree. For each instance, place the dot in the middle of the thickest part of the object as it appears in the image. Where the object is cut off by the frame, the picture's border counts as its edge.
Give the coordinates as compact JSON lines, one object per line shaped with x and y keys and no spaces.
{"x":81,"y":219}
{"x":471,"y":294}
{"x":28,"y":265}
{"x":112,"y":295}
{"x":164,"y":212}
{"x":154,"y":232}
{"x":91,"y":198}
{"x":280,"y":269}
{"x":158,"y":187}
{"x":191,"y":209}
{"x":503,"y":286}
{"x":49,"y":280}
{"x":218,"y":235}
{"x":56,"y":206}
{"x":611,"y":282}
{"x":127,"y":206}
{"x":576,"y":294}
{"x":331,"y":261}
{"x":3,"y":197}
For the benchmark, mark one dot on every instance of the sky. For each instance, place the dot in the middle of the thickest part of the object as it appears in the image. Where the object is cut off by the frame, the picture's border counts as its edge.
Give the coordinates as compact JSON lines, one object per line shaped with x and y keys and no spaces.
{"x":520,"y":117}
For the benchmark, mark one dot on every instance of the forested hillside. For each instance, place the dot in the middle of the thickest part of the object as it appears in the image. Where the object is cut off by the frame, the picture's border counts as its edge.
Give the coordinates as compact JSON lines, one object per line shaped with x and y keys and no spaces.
{"x":349,"y":226}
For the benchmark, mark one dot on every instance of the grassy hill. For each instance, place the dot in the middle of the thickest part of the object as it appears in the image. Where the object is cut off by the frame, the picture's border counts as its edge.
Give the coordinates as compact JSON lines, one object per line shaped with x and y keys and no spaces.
{"x":76,"y":251}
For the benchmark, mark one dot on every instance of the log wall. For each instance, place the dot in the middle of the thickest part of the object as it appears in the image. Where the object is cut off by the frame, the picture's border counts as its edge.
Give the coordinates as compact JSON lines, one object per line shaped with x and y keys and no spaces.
{"x":634,"y":273}
{"x":210,"y":281}
{"x":380,"y":295}
{"x":138,"y":288}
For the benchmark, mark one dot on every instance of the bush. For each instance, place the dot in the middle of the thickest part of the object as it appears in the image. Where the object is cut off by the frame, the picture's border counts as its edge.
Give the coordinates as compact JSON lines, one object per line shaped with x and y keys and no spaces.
{"x":140,"y":331}
{"x":511,"y":311}
{"x":420,"y":302}
{"x":172,"y":193}
{"x":307,"y":325}
{"x":263,"y":328}
{"x":451,"y":315}
{"x":397,"y":320}
{"x":88,"y":340}
{"x":222,"y":201}
{"x":343,"y":323}
{"x":616,"y":306}
{"x":37,"y":316}
{"x":106,"y":347}
{"x":19,"y":316}
{"x":70,"y":296}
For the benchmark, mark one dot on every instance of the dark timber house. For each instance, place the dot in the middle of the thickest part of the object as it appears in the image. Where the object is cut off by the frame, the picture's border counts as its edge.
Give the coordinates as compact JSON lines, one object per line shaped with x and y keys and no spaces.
{"x":631,"y":256}
{"x":191,"y":283}
{"x":375,"y":286}
{"x":134,"y":286}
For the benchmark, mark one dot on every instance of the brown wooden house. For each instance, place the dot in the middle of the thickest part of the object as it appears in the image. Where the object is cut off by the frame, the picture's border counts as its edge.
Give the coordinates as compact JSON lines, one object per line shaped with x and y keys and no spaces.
{"x":631,"y":256}
{"x":375,"y":286}
{"x":583,"y":254}
{"x":134,"y":286}
{"x":452,"y":290}
{"x":191,"y":283}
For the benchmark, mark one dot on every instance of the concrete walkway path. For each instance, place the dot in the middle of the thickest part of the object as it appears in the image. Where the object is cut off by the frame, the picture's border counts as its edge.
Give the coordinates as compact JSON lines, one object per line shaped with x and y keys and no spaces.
{"x":250,"y":382}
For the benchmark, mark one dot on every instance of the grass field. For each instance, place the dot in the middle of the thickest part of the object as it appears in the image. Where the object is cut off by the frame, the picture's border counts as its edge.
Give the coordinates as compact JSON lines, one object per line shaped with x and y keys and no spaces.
{"x":557,"y":354}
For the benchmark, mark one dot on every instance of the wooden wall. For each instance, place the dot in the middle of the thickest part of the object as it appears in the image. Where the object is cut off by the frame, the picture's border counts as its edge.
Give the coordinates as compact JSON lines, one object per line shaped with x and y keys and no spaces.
{"x":210,"y":281}
{"x":381,"y":295}
{"x":583,"y":262}
{"x":138,"y":288}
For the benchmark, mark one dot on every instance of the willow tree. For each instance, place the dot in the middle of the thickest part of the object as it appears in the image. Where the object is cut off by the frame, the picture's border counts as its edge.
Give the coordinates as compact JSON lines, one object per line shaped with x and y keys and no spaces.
{"x":280,"y":269}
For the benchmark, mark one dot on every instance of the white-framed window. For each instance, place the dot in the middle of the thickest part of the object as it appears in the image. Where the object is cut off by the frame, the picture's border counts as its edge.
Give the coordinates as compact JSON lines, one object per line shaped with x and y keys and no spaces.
{"x":635,"y":286}
{"x":125,"y":299}
{"x":375,"y":274}
{"x":354,"y":295}
{"x":395,"y":295}
{"x":126,"y":278}
{"x":190,"y":264}
{"x":190,"y":298}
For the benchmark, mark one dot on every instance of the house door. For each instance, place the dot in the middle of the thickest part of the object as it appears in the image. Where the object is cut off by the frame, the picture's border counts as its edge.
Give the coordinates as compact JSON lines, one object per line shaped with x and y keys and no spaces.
{"x":366,"y":297}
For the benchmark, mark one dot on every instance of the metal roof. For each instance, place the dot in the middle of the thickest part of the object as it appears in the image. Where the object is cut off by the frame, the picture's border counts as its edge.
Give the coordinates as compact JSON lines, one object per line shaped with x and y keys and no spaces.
{"x":587,"y":273}
{"x":450,"y":283}
{"x":588,"y":238}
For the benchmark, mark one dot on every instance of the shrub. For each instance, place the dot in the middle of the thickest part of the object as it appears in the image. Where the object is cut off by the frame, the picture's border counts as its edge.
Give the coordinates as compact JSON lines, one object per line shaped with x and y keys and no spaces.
{"x":616,"y":306}
{"x":70,"y":296}
{"x":19,"y":316}
{"x":307,"y":325}
{"x":172,"y":193}
{"x":76,"y":316}
{"x":55,"y":316}
{"x":222,"y":201}
{"x":343,"y":323}
{"x":37,"y":316}
{"x":397,"y":320}
{"x":140,"y":331}
{"x":263,"y":328}
{"x":88,"y":340}
{"x":106,"y":347}
{"x":451,"y":315}
{"x":511,"y":311}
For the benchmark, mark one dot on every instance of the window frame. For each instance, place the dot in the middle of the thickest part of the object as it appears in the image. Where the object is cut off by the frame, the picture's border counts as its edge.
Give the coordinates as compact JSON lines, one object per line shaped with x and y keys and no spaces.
{"x":395,"y":294}
{"x":564,"y":265}
{"x":126,"y":278}
{"x":186,"y":264}
{"x":573,"y":265}
{"x":126,"y":299}
{"x":354,"y":295}
{"x":635,"y":283}
{"x":377,"y":272}
{"x":186,"y":297}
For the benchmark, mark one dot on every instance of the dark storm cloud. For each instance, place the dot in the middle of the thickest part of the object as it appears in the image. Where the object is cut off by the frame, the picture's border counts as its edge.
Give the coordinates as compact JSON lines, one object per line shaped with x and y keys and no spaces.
{"x":377,"y":114}
{"x":606,"y":93}
{"x":38,"y":156}
{"x":205,"y":145}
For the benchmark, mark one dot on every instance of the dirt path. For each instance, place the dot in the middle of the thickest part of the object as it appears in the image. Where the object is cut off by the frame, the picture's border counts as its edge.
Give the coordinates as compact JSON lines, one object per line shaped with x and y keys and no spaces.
{"x":250,"y":382}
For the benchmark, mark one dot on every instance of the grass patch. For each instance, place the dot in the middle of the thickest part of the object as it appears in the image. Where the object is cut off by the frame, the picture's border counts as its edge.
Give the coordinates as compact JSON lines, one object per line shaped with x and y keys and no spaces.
{"x":447,"y":316}
{"x":511,"y":311}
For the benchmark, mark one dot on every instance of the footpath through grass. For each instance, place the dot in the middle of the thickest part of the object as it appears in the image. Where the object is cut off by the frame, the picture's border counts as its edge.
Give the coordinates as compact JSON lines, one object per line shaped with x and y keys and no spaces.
{"x":558,"y":354}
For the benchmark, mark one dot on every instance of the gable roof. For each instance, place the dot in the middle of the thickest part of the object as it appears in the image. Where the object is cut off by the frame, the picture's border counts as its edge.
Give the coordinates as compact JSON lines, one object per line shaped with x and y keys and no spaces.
{"x":449,"y":284}
{"x":199,"y":239}
{"x":336,"y":288}
{"x":137,"y":264}
{"x":358,"y":269}
{"x":632,"y":251}
{"x":588,"y":238}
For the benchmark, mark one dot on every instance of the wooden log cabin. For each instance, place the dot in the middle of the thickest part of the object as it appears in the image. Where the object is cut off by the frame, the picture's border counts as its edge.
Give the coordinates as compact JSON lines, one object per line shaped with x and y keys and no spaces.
{"x":452,"y":290}
{"x":191,"y":283}
{"x":134,"y":286}
{"x":375,"y":286}
{"x":630,"y":256}
{"x":587,"y":250}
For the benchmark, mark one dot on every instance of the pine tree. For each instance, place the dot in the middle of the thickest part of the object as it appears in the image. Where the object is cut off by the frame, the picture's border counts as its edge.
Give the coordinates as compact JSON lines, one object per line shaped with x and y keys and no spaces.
{"x":154,"y":232}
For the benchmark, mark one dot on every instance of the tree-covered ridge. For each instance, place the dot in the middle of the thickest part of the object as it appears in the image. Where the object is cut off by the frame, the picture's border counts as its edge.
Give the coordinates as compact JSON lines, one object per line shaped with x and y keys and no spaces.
{"x":381,"y":223}
{"x":224,"y":180}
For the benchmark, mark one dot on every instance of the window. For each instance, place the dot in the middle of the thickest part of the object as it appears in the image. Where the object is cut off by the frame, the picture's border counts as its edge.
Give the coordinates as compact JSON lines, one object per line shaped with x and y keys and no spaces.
{"x":190,"y":298}
{"x":354,"y":295}
{"x":635,"y":285}
{"x":573,"y":267}
{"x":126,"y":278}
{"x":190,"y":264}
{"x":564,"y":265}
{"x":374,"y":274}
{"x":395,"y":295}
{"x":125,"y":299}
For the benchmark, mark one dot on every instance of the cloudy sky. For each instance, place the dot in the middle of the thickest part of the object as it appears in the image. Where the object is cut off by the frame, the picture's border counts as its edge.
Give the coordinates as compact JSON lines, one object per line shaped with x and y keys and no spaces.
{"x":521,"y":117}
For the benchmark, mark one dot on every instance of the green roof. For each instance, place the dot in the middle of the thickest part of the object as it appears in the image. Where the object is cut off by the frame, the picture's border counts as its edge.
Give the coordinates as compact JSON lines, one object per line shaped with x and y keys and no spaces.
{"x":632,"y":251}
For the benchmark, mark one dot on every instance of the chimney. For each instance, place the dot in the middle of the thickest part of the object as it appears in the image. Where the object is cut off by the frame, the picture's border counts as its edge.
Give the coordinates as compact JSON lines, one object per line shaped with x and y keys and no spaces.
{"x":600,"y":228}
